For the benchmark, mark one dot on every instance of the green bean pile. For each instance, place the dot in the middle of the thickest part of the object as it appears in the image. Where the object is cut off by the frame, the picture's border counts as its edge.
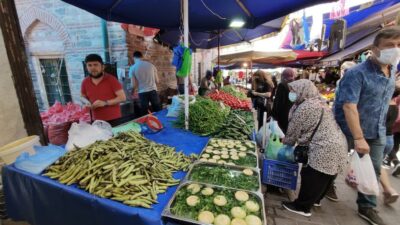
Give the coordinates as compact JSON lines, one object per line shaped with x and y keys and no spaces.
{"x":127,"y":168}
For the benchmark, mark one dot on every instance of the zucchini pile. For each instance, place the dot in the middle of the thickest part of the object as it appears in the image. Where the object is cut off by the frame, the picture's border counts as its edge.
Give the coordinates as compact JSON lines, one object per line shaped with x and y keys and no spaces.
{"x":218,"y":206}
{"x":127,"y":168}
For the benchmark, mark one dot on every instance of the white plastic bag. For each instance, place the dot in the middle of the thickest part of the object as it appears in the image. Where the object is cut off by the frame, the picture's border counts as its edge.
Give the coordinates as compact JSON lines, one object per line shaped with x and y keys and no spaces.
{"x":272,"y":128}
{"x":275,"y":129}
{"x":175,"y":107}
{"x":361,"y":175}
{"x":84,"y":134}
{"x":178,"y":104}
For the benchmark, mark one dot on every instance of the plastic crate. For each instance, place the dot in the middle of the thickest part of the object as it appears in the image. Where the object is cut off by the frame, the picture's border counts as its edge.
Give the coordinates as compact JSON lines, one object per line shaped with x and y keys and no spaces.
{"x":280,"y":174}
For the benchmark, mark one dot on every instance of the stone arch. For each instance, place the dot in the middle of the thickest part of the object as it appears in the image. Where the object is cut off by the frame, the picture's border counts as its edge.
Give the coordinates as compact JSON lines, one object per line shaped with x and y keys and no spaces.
{"x":34,"y":14}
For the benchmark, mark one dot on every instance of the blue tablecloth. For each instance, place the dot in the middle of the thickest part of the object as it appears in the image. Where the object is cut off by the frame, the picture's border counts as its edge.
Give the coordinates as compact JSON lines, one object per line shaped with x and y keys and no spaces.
{"x":43,"y":201}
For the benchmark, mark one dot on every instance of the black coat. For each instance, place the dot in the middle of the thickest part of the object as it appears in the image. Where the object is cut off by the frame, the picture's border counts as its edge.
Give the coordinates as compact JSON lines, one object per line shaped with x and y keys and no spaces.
{"x":281,"y":107}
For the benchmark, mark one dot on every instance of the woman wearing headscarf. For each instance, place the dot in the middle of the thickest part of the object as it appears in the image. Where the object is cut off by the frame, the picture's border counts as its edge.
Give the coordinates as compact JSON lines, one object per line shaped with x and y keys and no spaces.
{"x":262,"y":87}
{"x":282,"y":104}
{"x":327,"y":152}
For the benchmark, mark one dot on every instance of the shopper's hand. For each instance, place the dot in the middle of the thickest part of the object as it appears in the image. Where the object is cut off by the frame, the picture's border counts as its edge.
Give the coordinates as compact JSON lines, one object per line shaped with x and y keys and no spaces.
{"x":361,"y":146}
{"x":98,"y":104}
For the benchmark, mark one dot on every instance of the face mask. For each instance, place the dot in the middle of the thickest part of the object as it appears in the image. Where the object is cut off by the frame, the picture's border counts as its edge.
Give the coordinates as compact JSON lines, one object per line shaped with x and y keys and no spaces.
{"x":292,"y":96}
{"x":390,"y":56}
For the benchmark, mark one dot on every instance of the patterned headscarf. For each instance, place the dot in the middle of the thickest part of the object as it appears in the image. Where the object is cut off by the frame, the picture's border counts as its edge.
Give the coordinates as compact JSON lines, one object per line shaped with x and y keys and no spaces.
{"x":305,"y":89}
{"x":288,"y":75}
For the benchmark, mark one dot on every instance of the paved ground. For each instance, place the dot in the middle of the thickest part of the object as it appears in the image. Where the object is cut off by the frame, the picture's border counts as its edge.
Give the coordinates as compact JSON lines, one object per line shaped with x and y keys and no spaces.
{"x":331,"y":213}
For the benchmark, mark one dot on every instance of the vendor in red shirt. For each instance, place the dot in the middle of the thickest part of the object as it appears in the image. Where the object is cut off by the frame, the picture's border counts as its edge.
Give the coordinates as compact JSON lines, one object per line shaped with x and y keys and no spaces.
{"x":103,"y":91}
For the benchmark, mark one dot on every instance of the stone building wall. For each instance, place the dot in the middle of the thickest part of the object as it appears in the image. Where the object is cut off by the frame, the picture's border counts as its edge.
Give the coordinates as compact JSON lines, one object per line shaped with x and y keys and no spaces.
{"x":55,"y":29}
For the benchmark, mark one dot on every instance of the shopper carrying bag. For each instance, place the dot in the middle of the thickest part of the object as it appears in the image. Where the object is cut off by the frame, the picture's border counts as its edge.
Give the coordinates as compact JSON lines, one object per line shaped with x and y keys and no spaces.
{"x":313,"y":127}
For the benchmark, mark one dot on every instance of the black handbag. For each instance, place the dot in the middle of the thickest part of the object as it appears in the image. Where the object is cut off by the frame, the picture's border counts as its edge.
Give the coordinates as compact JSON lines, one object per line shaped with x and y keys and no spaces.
{"x":300,"y":152}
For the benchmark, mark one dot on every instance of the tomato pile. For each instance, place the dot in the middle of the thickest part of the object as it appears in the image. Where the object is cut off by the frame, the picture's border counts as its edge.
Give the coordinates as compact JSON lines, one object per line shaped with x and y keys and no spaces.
{"x":230,"y":100}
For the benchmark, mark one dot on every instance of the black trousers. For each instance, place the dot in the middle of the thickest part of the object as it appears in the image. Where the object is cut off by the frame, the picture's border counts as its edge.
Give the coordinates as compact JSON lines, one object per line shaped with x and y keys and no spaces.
{"x":149,"y":97}
{"x":314,"y":186}
{"x":392,"y":155}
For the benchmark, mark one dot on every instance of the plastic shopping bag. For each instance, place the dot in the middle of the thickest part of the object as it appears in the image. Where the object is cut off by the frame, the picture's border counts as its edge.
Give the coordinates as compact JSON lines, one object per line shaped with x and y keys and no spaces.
{"x":361,"y":175}
{"x":84,"y":134}
{"x":275,"y":129}
{"x":272,"y":128}
{"x":285,"y":153}
{"x":175,"y":107}
{"x":273,"y":147}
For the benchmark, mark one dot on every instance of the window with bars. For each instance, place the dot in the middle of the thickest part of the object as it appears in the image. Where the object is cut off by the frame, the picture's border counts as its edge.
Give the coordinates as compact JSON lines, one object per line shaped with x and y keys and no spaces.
{"x":55,"y":79}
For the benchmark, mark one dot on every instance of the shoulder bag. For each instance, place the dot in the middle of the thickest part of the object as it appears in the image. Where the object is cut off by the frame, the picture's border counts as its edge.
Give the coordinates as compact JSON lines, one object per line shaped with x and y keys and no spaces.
{"x":301,"y":151}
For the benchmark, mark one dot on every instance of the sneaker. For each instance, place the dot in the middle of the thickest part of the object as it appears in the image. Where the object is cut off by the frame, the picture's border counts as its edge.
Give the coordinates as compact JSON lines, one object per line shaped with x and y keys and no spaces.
{"x":331,"y":194}
{"x":291,"y":207}
{"x":396,"y":170}
{"x":389,"y":198}
{"x":371,"y":216}
{"x":317,"y":204}
{"x":386,"y":163}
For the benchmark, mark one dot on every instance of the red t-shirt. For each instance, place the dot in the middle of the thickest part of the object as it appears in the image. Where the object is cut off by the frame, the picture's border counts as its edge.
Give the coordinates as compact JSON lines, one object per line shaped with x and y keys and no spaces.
{"x":105,"y":90}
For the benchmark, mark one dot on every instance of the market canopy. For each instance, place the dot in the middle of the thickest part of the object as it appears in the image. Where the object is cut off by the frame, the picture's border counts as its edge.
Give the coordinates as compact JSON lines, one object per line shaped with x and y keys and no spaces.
{"x":209,"y":39}
{"x":240,"y":65}
{"x":261,"y":57}
{"x":358,"y":47}
{"x":360,"y":15}
{"x":203,"y":14}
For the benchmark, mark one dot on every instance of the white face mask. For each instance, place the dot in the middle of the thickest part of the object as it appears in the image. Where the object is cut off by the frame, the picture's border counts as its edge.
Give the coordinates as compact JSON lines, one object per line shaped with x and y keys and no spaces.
{"x":292,"y":96}
{"x":390,"y":56}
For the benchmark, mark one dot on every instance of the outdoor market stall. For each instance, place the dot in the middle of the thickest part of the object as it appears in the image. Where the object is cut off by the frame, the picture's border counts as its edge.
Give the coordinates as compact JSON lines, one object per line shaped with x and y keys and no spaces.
{"x":41,"y":200}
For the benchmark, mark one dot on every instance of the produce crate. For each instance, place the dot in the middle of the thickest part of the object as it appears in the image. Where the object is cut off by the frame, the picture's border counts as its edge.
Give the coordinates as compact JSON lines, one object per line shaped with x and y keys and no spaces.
{"x":233,"y":171}
{"x":280,"y":174}
{"x":237,"y":144}
{"x":232,"y":146}
{"x":169,"y":217}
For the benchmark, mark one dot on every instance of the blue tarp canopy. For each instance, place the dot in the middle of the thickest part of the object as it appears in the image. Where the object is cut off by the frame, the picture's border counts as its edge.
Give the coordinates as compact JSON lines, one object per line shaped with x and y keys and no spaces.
{"x":358,"y":16}
{"x":209,"y":39}
{"x":204,"y":15}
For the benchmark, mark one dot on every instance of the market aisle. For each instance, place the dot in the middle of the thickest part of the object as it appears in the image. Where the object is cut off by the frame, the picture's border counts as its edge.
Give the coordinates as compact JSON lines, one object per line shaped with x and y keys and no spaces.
{"x":331,"y":213}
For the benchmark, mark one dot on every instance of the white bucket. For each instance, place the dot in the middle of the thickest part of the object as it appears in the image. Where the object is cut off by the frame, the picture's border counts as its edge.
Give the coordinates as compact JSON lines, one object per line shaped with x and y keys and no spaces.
{"x":9,"y":152}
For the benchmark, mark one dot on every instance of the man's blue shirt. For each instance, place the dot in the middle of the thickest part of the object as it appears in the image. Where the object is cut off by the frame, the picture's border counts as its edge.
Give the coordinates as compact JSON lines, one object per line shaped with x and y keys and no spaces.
{"x":368,"y":87}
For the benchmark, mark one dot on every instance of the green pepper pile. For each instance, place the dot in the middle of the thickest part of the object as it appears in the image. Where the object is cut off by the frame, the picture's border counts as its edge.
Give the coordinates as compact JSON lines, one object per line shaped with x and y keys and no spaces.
{"x":127,"y":168}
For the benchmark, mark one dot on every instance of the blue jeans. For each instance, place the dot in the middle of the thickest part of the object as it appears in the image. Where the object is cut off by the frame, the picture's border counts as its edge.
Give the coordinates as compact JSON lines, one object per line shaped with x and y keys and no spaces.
{"x":376,"y":146}
{"x":389,"y":145}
